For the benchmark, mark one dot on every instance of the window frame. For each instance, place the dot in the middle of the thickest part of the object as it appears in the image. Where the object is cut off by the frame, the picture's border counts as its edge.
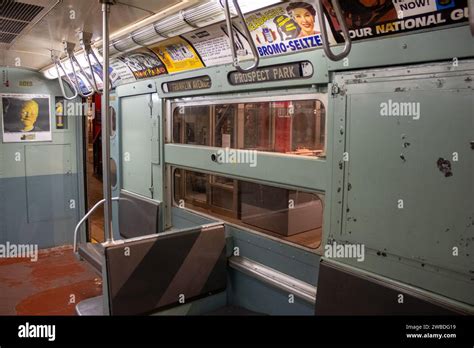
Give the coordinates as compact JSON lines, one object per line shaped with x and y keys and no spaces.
{"x":322,"y":195}
{"x":173,"y":104}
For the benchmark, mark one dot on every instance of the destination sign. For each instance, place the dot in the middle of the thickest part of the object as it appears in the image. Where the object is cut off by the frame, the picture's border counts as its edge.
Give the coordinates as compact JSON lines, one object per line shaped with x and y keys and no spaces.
{"x":273,"y":73}
{"x":202,"y":82}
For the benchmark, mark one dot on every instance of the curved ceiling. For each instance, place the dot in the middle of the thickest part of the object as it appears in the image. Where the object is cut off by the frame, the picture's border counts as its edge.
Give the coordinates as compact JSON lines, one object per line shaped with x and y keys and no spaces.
{"x":60,"y":20}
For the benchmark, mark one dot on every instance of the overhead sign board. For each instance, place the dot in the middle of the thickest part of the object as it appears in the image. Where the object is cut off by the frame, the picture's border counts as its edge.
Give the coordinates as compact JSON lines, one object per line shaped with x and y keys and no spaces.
{"x":202,"y":82}
{"x":271,"y":73}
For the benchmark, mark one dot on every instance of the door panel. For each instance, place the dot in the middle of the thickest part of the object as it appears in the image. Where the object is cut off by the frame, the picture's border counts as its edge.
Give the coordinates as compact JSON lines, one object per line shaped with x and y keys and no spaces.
{"x":399,"y":193}
{"x":402,"y":181}
{"x":136,"y":144}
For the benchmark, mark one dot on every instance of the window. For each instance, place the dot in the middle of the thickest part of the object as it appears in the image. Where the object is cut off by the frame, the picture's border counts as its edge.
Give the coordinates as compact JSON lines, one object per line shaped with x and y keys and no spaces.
{"x":291,"y":215}
{"x":291,"y":127}
{"x":113,"y":173}
{"x":191,"y":125}
{"x":113,"y":121}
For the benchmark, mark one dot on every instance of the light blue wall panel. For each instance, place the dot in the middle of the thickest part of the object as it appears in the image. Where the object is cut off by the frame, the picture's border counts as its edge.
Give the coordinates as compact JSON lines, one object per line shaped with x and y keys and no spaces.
{"x":136,"y":143}
{"x":250,"y":293}
{"x":53,"y":224}
{"x":40,"y":188}
{"x":395,"y":158}
{"x":294,"y":261}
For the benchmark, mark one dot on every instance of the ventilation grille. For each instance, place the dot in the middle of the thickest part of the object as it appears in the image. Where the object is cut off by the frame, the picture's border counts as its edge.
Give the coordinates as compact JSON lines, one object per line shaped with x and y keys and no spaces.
{"x":6,"y":38}
{"x":14,"y":17}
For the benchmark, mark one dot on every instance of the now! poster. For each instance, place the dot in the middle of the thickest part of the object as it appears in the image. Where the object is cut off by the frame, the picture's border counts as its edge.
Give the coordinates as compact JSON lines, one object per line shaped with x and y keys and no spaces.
{"x":369,"y":19}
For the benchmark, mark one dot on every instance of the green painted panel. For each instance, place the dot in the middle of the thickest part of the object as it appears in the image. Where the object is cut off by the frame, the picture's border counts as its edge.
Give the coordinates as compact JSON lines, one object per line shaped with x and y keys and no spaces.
{"x":437,"y":211}
{"x":416,"y":47}
{"x":301,"y":172}
{"x":220,"y":83}
{"x":13,"y":160}
{"x":12,"y":167}
{"x":48,"y":159}
{"x":157,"y":148}
{"x":136,"y":135}
{"x":136,"y":88}
{"x":408,"y":183}
{"x":422,"y":46}
{"x":39,"y":180}
{"x":49,"y":196}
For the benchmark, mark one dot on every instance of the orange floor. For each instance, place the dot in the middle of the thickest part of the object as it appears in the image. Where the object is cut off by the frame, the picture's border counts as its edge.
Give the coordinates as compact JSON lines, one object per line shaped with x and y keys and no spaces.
{"x":94,"y":194}
{"x":50,"y":286}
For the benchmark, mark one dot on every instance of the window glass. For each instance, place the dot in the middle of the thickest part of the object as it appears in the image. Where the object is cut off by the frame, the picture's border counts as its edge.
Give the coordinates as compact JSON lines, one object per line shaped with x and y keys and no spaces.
{"x":257,"y":127}
{"x":289,"y":127}
{"x":113,"y":121}
{"x":291,"y":215}
{"x":196,"y":190}
{"x":191,"y":125}
{"x":224,"y":125}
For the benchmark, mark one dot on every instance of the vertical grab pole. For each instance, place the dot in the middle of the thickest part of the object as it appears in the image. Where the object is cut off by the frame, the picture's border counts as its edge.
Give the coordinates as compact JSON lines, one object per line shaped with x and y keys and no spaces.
{"x":109,"y":237}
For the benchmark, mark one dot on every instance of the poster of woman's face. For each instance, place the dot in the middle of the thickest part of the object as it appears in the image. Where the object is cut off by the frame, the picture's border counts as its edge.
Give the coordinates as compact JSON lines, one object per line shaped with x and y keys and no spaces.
{"x":26,"y":117}
{"x":304,"y":14}
{"x":282,"y":23}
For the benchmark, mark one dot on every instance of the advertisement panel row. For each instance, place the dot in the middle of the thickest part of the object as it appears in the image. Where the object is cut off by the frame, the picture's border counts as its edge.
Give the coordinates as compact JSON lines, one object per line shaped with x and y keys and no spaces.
{"x":285,"y":28}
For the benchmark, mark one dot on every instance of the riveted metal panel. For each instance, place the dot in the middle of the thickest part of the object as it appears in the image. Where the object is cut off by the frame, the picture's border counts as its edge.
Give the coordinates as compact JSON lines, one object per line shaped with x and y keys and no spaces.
{"x":136,"y":136}
{"x":408,"y":184}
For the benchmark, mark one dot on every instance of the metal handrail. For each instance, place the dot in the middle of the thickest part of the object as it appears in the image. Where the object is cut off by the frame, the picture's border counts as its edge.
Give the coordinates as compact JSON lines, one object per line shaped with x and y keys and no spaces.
{"x":470,"y":5}
{"x":69,"y":49}
{"x":324,"y":33}
{"x":230,"y":29}
{"x":86,"y":44}
{"x":85,"y":218}
{"x":57,"y":63}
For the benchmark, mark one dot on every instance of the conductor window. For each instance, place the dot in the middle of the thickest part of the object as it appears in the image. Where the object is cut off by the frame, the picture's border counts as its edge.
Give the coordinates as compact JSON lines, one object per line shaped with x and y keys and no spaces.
{"x":291,"y":215}
{"x":290,"y":127}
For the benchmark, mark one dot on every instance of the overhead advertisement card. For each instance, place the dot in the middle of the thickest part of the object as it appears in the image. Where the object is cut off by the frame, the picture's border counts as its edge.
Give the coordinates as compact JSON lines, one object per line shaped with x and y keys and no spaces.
{"x":84,"y":85}
{"x":177,"y":55}
{"x":120,"y":73}
{"x":286,"y":28}
{"x":213,"y":44}
{"x":143,"y":63}
{"x":26,"y":117}
{"x":368,"y":19}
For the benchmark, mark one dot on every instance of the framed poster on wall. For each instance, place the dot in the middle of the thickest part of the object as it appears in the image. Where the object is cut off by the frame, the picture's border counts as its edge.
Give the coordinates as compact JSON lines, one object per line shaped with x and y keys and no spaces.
{"x":26,"y":117}
{"x":61,"y":112}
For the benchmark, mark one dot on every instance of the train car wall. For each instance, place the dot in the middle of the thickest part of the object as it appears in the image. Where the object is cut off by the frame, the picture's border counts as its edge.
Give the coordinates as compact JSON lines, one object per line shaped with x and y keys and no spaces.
{"x":39,"y":182}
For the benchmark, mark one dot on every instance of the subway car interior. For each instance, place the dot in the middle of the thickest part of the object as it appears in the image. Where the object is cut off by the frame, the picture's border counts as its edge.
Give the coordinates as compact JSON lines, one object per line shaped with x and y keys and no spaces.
{"x":237,"y":157}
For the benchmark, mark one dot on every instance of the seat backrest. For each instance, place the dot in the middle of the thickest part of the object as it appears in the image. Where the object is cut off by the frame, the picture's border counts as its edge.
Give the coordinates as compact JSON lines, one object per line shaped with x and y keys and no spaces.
{"x":342,"y":291}
{"x":158,"y":272}
{"x":138,"y":215}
